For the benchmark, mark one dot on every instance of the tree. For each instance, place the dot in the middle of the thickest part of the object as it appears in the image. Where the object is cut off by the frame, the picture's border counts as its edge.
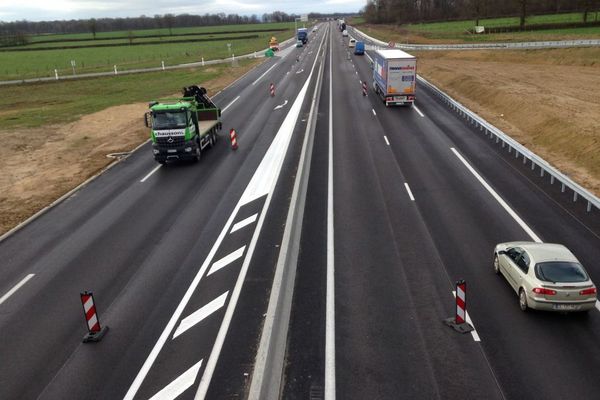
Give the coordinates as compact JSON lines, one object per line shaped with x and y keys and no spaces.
{"x":169,"y":22}
{"x":93,"y":26}
{"x":522,"y":13}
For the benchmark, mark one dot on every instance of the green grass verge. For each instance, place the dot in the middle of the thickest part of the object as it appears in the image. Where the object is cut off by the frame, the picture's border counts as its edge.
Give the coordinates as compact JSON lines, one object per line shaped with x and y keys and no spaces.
{"x":34,"y":105}
{"x":165,"y":31}
{"x":455,"y":31}
{"x":42,"y":63}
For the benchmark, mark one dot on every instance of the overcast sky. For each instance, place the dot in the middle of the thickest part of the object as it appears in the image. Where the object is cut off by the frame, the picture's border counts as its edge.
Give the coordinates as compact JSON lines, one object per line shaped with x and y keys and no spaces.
{"x":48,"y":10}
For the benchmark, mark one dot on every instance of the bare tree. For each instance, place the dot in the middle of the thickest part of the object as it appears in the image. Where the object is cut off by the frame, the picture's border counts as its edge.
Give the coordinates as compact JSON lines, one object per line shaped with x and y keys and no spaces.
{"x":93,"y":26}
{"x":522,"y":13}
{"x":169,"y":22}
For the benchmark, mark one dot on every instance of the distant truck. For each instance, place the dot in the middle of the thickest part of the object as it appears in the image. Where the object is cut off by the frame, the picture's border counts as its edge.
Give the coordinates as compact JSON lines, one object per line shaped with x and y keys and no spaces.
{"x":273,"y":44}
{"x":394,"y":76}
{"x":182,"y":128}
{"x":359,"y":48}
{"x":303,"y":35}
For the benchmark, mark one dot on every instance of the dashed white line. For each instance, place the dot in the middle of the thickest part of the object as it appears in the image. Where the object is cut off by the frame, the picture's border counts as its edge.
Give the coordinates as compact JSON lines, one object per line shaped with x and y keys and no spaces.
{"x":468,"y":318}
{"x":418,"y":111}
{"x":243,"y":223}
{"x":499,"y":199}
{"x":150,"y":173}
{"x":386,"y":140}
{"x":409,"y":191}
{"x":179,"y":385}
{"x":266,"y":72}
{"x":225,"y":261}
{"x":374,"y":113}
{"x":229,"y":105}
{"x":199,"y":315}
{"x":15,"y":288}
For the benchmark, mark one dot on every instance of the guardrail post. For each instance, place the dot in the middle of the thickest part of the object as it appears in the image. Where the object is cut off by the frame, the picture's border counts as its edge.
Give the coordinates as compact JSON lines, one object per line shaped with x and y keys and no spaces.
{"x":56,"y":74}
{"x":532,"y":165}
{"x":541,"y":172}
{"x":552,"y":179}
{"x":574,"y":196}
{"x":589,"y":206}
{"x":562,"y":189}
{"x":116,"y":70}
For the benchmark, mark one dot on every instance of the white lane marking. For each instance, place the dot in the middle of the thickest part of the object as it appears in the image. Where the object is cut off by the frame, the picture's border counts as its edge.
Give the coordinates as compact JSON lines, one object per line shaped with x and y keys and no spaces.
{"x":225,"y":261}
{"x":468,"y":319}
{"x":179,"y":385}
{"x":597,"y":305}
{"x":229,"y":105}
{"x":374,"y":113}
{"x":263,"y":182}
{"x":218,"y":93}
{"x":418,"y":111}
{"x":299,"y":72}
{"x":150,"y":173}
{"x":409,"y":191}
{"x":499,"y":199}
{"x":330,"y":295}
{"x":15,"y":288}
{"x":280,"y":106}
{"x":199,"y":315}
{"x":266,"y":72}
{"x":386,"y":140}
{"x":243,"y":223}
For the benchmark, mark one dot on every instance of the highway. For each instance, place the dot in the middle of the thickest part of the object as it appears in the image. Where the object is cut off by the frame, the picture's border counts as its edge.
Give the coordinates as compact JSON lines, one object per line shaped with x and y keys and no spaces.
{"x":400,"y":203}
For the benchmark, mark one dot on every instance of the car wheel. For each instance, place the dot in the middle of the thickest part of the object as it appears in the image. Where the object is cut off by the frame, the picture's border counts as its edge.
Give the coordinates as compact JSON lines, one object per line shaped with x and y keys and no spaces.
{"x":496,"y":264}
{"x":522,"y":300}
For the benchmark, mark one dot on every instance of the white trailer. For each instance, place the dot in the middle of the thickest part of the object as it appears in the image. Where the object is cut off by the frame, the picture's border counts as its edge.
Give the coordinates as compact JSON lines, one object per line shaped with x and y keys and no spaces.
{"x":395,"y":76}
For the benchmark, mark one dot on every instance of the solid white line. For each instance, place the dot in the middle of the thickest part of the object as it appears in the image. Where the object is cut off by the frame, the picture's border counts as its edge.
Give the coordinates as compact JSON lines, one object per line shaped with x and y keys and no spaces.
{"x":151,"y":172}
{"x":386,"y":140}
{"x":374,"y":113}
{"x":499,"y":199}
{"x":266,"y":72}
{"x":409,"y":191}
{"x":228,"y":259}
{"x":330,"y":295}
{"x":179,"y":385}
{"x":229,"y":105}
{"x":199,"y":315}
{"x":243,"y":223}
{"x":270,"y":167}
{"x":15,"y":288}
{"x":418,"y":111}
{"x":468,"y":318}
{"x":597,"y":305}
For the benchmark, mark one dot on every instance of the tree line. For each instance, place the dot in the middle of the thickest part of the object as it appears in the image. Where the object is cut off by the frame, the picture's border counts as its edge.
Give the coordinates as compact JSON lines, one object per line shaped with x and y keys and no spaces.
{"x":413,"y":11}
{"x":16,"y":32}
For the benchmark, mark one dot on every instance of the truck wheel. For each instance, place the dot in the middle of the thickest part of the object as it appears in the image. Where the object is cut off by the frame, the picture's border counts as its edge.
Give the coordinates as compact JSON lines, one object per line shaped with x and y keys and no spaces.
{"x":198,"y":154}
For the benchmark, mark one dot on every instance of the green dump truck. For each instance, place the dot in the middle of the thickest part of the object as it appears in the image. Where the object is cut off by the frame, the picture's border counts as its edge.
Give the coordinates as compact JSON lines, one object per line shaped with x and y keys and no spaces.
{"x":182,"y":128}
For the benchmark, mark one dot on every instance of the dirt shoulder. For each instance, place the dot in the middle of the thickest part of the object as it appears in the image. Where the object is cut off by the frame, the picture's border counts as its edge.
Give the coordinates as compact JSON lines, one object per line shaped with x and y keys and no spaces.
{"x":40,"y":164}
{"x":545,"y":99}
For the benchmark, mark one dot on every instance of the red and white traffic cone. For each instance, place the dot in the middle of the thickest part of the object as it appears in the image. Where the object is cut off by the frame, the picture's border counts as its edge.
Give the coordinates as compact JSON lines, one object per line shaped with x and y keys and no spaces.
{"x":364,"y":88}
{"x":233,"y":137}
{"x":95,"y":331}
{"x":459,"y":321}
{"x":272,"y":89}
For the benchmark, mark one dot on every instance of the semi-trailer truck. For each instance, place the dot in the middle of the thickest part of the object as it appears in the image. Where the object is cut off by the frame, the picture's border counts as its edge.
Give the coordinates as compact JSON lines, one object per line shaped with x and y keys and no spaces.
{"x":395,"y":76}
{"x":303,"y":35}
{"x":182,"y":128}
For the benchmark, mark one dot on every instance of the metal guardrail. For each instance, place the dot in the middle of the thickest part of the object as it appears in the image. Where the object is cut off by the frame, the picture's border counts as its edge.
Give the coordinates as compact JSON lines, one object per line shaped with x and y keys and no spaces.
{"x":484,"y":46}
{"x":519,"y":150}
{"x":115,"y":71}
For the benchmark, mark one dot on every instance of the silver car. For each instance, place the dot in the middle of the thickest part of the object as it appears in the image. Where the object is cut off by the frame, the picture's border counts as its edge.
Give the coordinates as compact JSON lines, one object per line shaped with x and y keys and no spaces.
{"x":546,"y":276}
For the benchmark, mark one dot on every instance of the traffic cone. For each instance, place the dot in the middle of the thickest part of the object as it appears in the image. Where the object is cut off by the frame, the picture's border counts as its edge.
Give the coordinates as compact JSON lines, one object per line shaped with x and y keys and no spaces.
{"x":233,"y":137}
{"x":272,"y":89}
{"x":364,"y":88}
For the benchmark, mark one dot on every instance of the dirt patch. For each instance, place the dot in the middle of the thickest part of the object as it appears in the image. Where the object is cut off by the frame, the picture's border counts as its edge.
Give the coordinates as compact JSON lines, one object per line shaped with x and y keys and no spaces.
{"x":41,"y":164}
{"x":545,"y":99}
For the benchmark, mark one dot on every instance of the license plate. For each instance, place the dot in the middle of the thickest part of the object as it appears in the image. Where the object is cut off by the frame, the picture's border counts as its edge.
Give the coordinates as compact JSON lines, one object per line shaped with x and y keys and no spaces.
{"x":566,"y":307}
{"x":171,"y":150}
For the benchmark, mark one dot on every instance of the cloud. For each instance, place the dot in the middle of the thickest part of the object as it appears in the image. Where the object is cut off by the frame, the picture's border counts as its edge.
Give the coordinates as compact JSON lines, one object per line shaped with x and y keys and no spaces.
{"x":37,"y":10}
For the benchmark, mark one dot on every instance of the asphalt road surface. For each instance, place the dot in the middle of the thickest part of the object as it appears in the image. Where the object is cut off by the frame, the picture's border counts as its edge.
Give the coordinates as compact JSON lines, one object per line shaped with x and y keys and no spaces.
{"x":401,"y":202}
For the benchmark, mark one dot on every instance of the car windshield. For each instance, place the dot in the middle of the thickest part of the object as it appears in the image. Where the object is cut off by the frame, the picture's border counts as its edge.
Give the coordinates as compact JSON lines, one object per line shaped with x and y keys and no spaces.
{"x":560,"y":271}
{"x":169,"y":120}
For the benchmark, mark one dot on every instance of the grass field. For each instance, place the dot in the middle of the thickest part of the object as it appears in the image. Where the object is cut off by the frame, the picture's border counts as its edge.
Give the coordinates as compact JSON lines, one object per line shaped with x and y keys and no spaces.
{"x":33,"y":105}
{"x":42,"y":63}
{"x":456,"y":31}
